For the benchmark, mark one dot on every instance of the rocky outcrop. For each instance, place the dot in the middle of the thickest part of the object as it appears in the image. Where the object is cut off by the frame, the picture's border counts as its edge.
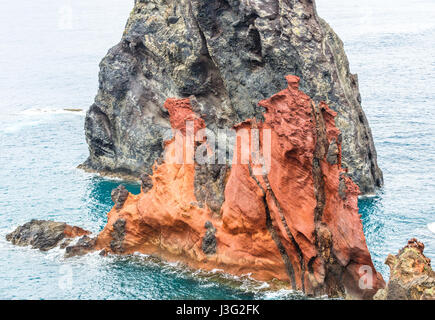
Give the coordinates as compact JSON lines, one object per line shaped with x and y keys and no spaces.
{"x":292,"y":221}
{"x":83,"y":246}
{"x":44,"y":235}
{"x":411,"y":275}
{"x":280,"y":207}
{"x":225,"y":55}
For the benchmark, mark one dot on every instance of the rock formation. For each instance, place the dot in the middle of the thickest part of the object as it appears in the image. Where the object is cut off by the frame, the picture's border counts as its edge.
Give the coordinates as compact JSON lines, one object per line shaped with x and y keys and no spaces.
{"x":296,"y":224}
{"x":44,"y":235}
{"x":226,"y":55}
{"x":283,"y":211}
{"x":411,"y":275}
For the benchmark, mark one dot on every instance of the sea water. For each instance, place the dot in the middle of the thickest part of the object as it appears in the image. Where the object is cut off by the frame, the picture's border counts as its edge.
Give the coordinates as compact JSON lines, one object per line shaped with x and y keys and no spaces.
{"x":49,"y":58}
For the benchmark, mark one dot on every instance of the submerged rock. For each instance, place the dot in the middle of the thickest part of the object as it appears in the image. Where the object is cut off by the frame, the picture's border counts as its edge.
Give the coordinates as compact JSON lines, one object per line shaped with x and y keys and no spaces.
{"x":43,"y":235}
{"x":411,"y":275}
{"x":226,"y":56}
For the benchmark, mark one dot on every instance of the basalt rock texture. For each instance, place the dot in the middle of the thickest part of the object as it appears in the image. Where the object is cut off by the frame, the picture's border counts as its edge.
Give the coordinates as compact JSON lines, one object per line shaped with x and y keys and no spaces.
{"x":226,"y":55}
{"x":119,"y":195}
{"x":83,"y":246}
{"x":290,"y":218}
{"x":411,"y":275}
{"x":44,"y":235}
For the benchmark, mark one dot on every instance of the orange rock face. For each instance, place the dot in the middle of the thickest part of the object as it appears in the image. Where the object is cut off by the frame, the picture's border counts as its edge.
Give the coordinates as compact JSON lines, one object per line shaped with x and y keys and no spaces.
{"x":291,"y":218}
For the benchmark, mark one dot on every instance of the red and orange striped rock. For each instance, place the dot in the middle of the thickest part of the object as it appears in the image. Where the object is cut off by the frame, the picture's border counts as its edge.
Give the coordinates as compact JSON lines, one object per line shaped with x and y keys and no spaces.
{"x":298,"y":223}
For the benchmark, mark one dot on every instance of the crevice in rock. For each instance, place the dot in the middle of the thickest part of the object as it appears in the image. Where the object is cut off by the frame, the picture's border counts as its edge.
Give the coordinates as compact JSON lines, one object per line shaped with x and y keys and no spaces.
{"x":322,"y":235}
{"x":287,"y":229}
{"x":274,"y":234}
{"x":320,"y":149}
{"x":254,"y":46}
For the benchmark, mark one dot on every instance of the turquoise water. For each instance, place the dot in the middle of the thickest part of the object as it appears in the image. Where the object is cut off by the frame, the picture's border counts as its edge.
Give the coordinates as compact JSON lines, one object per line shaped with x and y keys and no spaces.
{"x":45,"y":68}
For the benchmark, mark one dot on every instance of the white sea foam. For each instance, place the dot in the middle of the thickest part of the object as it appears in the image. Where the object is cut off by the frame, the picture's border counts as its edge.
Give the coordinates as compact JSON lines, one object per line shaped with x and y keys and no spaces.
{"x":431,"y":227}
{"x":33,"y":117}
{"x":215,"y":277}
{"x":51,"y":111}
{"x":278,"y":294}
{"x":55,"y":254}
{"x":367,"y":196}
{"x":17,"y":126}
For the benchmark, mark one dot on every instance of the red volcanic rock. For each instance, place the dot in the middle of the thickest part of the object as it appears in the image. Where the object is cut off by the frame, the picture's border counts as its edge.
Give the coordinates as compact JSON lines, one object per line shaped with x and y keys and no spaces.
{"x":291,"y":219}
{"x":180,"y":112}
{"x":74,"y":232}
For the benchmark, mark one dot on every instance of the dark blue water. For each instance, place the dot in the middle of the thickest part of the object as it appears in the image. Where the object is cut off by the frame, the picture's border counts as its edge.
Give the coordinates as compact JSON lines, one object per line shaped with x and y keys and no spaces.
{"x":47,"y":66}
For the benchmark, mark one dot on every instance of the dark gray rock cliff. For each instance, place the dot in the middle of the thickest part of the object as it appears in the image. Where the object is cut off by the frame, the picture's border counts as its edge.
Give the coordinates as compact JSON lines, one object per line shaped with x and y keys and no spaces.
{"x":226,"y":55}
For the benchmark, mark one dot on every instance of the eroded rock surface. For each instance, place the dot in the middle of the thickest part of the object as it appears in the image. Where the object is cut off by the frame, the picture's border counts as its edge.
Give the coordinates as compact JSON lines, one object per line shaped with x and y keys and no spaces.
{"x":285,"y":212}
{"x":44,"y":235}
{"x":411,"y":275}
{"x":295,"y":225}
{"x":226,"y":55}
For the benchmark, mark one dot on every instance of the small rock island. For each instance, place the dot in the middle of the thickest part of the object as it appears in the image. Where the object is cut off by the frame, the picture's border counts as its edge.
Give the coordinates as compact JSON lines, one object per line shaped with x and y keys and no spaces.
{"x":276,"y":75}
